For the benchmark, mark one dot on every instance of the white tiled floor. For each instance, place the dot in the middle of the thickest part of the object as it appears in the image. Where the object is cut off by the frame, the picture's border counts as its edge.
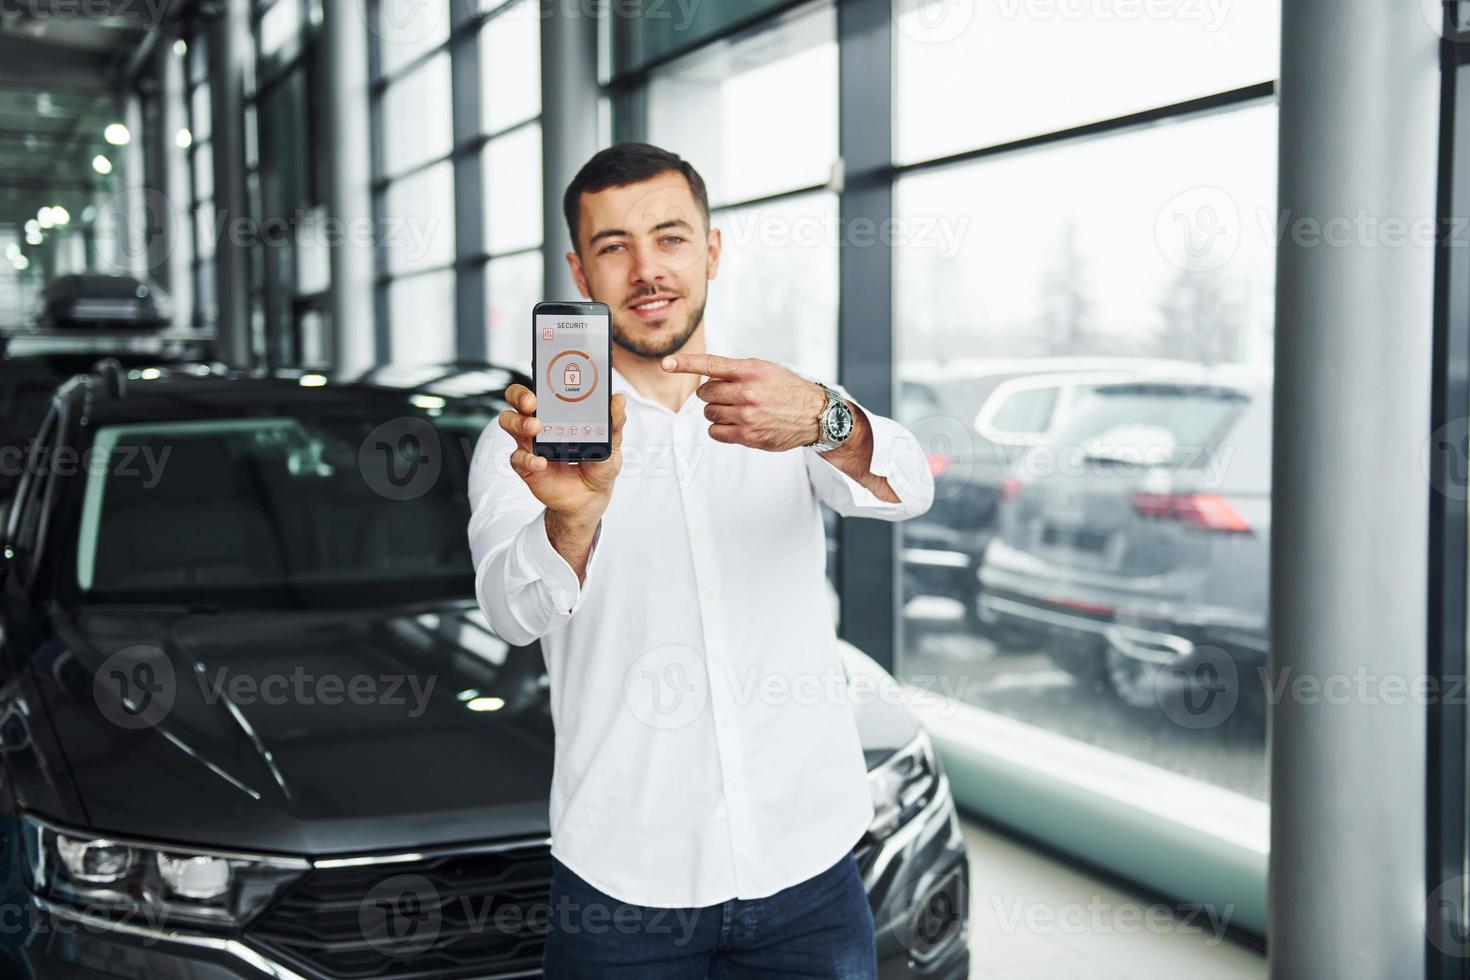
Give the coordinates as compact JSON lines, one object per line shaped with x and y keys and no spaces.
{"x":1033,"y":918}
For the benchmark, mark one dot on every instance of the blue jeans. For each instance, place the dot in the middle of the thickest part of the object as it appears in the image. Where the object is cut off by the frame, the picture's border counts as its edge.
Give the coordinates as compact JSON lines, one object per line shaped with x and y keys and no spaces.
{"x":821,"y":927}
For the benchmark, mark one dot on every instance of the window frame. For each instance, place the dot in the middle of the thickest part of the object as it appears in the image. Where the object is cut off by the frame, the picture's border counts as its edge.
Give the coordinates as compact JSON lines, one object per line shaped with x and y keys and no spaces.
{"x":470,"y":263}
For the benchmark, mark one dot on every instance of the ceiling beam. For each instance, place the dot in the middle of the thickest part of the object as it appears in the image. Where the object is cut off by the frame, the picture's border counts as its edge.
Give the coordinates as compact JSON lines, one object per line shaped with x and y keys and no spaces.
{"x":32,"y":63}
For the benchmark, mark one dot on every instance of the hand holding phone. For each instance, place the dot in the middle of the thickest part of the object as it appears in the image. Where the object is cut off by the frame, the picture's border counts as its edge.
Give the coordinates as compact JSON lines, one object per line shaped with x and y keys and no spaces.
{"x":568,"y":432}
{"x":575,"y":492}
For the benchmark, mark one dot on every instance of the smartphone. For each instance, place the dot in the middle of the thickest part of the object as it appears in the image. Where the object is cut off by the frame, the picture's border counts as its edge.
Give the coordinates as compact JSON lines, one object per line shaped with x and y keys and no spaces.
{"x":572,"y":364}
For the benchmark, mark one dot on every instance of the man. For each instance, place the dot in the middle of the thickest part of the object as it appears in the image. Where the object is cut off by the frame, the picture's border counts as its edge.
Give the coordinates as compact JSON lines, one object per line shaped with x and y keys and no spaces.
{"x":709,"y":783}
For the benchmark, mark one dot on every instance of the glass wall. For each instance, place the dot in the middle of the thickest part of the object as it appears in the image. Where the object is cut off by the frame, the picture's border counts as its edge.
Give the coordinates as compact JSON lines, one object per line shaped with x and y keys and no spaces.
{"x":435,"y":132}
{"x":510,"y":110}
{"x":723,"y":108}
{"x":415,"y":185}
{"x":200,"y":151}
{"x":1083,"y":325}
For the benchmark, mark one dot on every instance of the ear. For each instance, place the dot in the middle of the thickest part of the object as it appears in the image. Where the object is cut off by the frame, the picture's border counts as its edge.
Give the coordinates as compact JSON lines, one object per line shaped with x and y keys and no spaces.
{"x":579,"y":277}
{"x":716,"y":244}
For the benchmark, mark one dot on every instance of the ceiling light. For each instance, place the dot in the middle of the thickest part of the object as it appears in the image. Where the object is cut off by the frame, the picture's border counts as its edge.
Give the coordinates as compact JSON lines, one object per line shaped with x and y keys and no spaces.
{"x":101,"y":164}
{"x":117,"y":134}
{"x":312,"y":380}
{"x":21,"y":263}
{"x":33,"y":238}
{"x":44,"y":217}
{"x":59,"y":215}
{"x":12,"y":250}
{"x":184,"y":139}
{"x":33,"y":227}
{"x":180,"y":47}
{"x":486,"y":704}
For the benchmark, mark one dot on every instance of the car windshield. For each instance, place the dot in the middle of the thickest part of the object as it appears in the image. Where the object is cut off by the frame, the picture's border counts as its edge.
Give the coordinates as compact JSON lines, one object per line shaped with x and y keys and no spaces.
{"x":286,"y":511}
{"x":1158,"y":424}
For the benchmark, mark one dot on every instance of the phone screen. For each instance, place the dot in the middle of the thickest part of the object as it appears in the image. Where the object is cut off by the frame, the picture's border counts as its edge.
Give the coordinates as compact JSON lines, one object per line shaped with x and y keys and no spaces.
{"x":572,"y":378}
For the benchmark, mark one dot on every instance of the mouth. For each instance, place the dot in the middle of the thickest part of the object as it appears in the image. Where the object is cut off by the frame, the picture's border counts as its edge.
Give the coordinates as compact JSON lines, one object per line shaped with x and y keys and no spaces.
{"x":653,"y":307}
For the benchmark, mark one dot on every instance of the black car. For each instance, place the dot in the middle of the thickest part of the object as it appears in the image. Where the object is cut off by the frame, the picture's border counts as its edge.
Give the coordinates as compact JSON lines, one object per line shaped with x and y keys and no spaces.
{"x":104,"y":301}
{"x":253,"y":724}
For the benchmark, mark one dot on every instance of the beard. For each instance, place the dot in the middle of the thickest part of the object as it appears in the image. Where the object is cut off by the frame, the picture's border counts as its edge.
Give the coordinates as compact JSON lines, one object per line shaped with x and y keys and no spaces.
{"x":658,"y":351}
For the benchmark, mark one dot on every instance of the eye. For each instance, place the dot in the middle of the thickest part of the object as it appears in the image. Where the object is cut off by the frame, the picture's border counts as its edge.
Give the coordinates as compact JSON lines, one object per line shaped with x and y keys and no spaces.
{"x":674,"y":240}
{"x":608,"y":249}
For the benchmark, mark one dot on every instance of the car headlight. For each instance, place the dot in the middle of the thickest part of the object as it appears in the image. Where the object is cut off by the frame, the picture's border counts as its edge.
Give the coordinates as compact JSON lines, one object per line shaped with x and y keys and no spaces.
{"x":903,"y":785}
{"x":154,"y":884}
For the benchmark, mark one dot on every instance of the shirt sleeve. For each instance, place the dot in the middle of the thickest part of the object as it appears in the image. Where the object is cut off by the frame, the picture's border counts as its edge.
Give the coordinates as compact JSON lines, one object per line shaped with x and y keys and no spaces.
{"x":897,"y":457}
{"x":523,"y":585}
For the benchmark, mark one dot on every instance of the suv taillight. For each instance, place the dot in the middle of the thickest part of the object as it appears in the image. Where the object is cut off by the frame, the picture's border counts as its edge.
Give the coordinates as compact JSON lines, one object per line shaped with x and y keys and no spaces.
{"x":1206,"y":510}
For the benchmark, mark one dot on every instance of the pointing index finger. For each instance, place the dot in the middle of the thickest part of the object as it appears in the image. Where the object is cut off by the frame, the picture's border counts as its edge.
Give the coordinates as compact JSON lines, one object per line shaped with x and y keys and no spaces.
{"x":709,"y":365}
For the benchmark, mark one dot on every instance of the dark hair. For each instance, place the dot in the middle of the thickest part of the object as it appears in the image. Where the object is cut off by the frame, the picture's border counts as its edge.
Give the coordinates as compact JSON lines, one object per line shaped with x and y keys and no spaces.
{"x":622,"y":164}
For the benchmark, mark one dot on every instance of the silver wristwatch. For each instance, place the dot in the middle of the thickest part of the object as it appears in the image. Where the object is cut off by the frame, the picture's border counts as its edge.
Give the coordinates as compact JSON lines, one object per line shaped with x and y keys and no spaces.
{"x":834,"y":422}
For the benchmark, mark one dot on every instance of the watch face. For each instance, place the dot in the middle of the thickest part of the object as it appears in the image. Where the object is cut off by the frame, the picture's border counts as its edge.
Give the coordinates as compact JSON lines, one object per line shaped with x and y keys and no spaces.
{"x":839,"y":422}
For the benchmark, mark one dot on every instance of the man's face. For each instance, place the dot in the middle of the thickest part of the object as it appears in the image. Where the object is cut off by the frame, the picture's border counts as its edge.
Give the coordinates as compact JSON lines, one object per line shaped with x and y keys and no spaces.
{"x":646,"y":252}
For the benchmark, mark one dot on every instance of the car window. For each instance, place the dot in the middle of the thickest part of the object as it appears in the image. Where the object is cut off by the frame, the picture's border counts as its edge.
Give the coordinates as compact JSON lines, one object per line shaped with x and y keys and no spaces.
{"x":320,"y":510}
{"x":916,"y":401}
{"x":1164,"y":424}
{"x":1025,"y":412}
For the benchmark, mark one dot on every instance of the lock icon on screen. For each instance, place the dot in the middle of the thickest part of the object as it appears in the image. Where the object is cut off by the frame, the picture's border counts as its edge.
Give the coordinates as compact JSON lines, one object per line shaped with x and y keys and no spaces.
{"x":572,"y":376}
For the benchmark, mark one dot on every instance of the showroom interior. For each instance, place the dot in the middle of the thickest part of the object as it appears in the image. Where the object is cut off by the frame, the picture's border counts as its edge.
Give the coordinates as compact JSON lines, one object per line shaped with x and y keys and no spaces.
{"x":1201,"y":711}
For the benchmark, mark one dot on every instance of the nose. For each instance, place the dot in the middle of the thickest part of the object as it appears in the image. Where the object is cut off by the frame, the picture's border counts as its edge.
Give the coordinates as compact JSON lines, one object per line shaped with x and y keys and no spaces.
{"x":648,"y":269}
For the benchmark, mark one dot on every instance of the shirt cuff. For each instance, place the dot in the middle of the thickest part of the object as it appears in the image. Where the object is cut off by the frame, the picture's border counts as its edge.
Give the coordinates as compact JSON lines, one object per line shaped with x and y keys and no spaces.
{"x":548,"y":564}
{"x":886,"y":433}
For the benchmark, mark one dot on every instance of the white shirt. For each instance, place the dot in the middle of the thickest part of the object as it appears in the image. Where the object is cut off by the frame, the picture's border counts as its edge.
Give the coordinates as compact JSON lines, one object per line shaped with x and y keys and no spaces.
{"x":705,"y":746}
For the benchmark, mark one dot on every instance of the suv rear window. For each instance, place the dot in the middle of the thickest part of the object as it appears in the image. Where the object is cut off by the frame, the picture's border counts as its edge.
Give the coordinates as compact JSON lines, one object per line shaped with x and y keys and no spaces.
{"x":1164,"y":424}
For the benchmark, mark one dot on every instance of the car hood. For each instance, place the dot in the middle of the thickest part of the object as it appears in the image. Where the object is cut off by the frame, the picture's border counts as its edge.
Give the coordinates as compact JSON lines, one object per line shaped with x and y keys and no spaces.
{"x":317,"y":732}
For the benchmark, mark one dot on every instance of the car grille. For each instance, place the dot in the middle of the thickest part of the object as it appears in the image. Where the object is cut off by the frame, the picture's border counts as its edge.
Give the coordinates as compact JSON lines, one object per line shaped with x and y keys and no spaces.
{"x":467,"y":914}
